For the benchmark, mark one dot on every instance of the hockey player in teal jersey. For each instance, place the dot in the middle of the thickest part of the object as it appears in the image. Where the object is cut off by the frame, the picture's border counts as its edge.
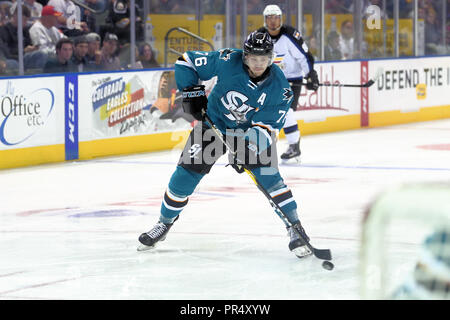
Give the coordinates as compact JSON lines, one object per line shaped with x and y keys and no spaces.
{"x":248,"y":104}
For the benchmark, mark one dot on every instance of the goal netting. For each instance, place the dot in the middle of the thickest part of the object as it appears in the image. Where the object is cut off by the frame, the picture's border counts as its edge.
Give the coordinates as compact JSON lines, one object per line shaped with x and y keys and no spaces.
{"x":405,"y":250}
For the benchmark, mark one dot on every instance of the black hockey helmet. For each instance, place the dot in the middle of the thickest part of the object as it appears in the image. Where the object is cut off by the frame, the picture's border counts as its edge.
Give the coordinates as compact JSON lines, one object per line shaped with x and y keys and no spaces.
{"x":258,"y":43}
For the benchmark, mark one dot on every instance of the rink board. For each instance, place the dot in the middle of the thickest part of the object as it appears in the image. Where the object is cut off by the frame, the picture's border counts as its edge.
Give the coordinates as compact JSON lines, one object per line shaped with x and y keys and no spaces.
{"x":56,"y":118}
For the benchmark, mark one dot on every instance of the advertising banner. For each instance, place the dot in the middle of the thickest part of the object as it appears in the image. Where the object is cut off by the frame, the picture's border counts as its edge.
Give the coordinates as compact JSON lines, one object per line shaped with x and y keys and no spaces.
{"x":331,"y":101}
{"x":129,"y":103}
{"x":31,"y":112}
{"x":410,"y":84}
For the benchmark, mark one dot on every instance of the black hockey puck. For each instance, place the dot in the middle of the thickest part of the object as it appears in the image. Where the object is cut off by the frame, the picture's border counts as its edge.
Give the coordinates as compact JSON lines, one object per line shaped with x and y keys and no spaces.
{"x":328,"y":265}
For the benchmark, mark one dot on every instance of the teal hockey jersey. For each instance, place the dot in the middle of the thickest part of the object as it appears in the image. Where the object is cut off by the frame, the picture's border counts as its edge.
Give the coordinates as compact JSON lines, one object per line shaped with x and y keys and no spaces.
{"x":236,"y":102}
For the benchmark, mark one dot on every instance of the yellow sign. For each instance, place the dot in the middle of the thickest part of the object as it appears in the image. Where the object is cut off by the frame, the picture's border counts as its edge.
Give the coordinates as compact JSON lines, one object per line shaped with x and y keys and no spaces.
{"x":210,"y":28}
{"x":421,"y":91}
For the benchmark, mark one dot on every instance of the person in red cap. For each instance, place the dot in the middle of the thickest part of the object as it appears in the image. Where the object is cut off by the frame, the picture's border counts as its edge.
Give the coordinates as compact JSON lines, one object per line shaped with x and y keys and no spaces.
{"x":44,"y":32}
{"x":70,"y":20}
{"x":50,"y":11}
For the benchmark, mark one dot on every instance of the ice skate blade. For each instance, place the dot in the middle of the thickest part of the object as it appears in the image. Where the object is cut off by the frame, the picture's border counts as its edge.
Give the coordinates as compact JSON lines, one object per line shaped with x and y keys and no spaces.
{"x":302,"y":252}
{"x":143,"y":247}
{"x":294,"y":160}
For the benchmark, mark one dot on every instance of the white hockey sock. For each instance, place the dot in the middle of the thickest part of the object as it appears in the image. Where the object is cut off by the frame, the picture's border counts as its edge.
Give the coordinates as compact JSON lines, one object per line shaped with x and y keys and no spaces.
{"x":290,"y":127}
{"x":293,"y":137}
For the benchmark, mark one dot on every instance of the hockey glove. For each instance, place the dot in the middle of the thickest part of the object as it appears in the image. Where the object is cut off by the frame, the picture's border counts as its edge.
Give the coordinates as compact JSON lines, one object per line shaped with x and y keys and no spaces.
{"x":194,"y":101}
{"x":249,"y":148}
{"x":312,"y":80}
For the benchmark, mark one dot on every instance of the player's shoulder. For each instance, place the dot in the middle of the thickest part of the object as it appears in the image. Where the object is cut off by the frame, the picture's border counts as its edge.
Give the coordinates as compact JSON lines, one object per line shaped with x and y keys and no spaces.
{"x":291,"y":32}
{"x":229,"y":54}
{"x":280,"y":84}
{"x":278,"y":75}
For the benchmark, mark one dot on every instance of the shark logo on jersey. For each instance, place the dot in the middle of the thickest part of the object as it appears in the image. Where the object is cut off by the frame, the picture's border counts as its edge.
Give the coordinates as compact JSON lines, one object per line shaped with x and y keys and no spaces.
{"x":238,"y":109}
{"x":194,"y":150}
{"x":287,"y":94}
{"x":225,"y":54}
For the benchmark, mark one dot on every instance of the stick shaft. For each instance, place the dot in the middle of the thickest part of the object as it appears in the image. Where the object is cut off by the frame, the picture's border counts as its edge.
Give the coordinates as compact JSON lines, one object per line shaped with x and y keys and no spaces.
{"x":324,"y":254}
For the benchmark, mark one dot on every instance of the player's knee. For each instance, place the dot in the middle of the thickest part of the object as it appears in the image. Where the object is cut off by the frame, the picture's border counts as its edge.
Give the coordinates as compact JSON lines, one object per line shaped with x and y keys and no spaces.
{"x":269,"y":177}
{"x":183,"y":181}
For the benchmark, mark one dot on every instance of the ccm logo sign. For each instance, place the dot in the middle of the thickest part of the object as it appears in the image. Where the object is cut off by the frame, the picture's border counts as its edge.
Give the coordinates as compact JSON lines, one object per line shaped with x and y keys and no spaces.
{"x":71,"y":117}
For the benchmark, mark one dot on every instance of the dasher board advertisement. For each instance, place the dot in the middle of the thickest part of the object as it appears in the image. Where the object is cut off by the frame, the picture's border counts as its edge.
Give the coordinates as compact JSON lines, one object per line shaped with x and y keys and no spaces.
{"x":411,"y":84}
{"x":31,"y":112}
{"x":129,"y":103}
{"x":331,"y":101}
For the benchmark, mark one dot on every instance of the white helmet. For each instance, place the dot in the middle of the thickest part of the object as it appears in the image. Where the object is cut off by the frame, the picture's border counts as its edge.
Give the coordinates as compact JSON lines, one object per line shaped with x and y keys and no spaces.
{"x":272,"y":10}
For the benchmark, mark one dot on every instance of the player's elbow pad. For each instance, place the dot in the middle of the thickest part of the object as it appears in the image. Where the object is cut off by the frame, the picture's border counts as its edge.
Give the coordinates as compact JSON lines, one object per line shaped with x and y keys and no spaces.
{"x":195,"y":101}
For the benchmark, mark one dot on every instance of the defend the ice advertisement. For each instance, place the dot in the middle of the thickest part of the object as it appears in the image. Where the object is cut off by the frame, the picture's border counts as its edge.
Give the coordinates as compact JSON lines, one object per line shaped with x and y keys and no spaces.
{"x":411,"y":84}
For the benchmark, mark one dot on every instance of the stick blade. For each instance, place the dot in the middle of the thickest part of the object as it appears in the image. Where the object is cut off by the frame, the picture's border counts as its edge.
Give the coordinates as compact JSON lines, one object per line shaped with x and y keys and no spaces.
{"x":323,"y":254}
{"x":378,"y":74}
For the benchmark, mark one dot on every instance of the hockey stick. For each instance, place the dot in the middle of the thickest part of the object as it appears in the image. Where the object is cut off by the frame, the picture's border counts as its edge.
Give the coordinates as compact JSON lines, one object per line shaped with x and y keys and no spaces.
{"x":364,"y":85}
{"x":323,"y":254}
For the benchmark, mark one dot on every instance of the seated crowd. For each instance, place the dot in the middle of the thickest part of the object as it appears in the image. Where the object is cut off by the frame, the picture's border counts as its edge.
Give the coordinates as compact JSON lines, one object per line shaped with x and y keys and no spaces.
{"x":57,"y":37}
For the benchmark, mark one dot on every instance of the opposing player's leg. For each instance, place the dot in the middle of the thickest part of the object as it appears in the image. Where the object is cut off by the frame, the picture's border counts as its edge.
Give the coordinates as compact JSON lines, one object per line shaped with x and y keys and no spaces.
{"x":290,"y":127}
{"x":200,"y":153}
{"x":292,"y":136}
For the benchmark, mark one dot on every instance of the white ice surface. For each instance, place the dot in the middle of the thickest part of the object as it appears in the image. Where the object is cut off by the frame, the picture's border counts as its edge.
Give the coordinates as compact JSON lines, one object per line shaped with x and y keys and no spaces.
{"x":69,"y":231}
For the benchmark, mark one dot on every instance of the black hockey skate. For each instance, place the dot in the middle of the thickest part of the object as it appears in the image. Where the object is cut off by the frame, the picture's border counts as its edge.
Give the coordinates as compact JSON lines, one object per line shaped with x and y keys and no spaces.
{"x":297,"y":245}
{"x":293,"y":151}
{"x":156,"y":234}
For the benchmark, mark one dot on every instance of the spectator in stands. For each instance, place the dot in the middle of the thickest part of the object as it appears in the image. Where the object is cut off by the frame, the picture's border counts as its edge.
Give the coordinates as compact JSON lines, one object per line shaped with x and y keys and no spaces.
{"x":125,"y":59}
{"x":80,"y":49}
{"x":44,"y":33}
{"x":406,"y":9}
{"x":32,"y":58}
{"x":110,"y":59}
{"x":255,"y":6}
{"x":147,"y":57}
{"x":448,"y":36}
{"x":166,"y":6}
{"x":336,"y":7}
{"x":346,"y":40}
{"x":99,"y":6}
{"x":94,"y":54}
{"x":3,"y":69}
{"x":332,"y":50}
{"x":312,"y":44}
{"x":62,"y":61}
{"x":213,"y":6}
{"x":433,"y":33}
{"x":70,"y":21}
{"x":6,"y":64}
{"x":34,"y":7}
{"x":118,"y":20}
{"x":35,"y":10}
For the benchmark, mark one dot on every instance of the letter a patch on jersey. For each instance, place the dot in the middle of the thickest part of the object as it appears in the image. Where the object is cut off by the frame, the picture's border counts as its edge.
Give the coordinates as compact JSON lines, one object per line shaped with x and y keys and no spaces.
{"x":262,"y":98}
